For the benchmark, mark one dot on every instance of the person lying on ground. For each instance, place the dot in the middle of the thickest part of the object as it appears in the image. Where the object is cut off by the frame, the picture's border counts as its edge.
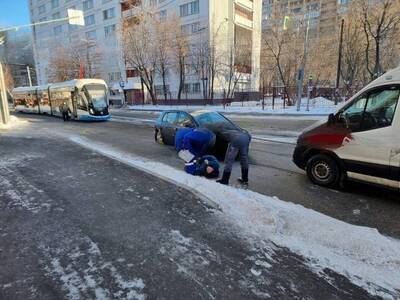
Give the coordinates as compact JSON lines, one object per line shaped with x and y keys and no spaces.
{"x":206,"y":166}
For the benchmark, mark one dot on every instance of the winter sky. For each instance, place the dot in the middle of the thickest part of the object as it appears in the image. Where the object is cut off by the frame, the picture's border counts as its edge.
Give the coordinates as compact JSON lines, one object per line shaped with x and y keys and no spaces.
{"x":13,"y":12}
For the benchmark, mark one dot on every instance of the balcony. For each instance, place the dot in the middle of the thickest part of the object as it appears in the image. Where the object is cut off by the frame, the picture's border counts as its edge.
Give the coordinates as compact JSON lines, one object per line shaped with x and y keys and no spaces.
{"x":133,"y":12}
{"x":242,"y":21}
{"x":248,"y":4}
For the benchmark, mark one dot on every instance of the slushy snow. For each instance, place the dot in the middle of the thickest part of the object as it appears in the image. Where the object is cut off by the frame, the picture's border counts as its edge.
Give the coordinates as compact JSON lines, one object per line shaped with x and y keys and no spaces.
{"x":363,"y":255}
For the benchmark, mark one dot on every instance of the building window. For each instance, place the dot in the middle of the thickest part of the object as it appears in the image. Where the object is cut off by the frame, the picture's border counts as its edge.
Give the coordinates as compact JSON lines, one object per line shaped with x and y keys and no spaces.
{"x":114,"y":76}
{"x":109,"y":30}
{"x":88,"y":4}
{"x":186,"y":88}
{"x":56,"y":16}
{"x":190,"y":8}
{"x":196,"y":88}
{"x":57,"y":29}
{"x":153,"y":2}
{"x":42,"y":9}
{"x":91,"y":35}
{"x":90,"y":20}
{"x":54,"y":3}
{"x":162,"y":15}
{"x":105,"y":1}
{"x":108,"y":13}
{"x":190,"y":28}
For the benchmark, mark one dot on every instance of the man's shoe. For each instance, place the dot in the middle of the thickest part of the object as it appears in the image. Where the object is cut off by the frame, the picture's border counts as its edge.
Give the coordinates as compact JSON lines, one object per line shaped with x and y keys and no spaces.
{"x":241,"y":181}
{"x":225,"y":178}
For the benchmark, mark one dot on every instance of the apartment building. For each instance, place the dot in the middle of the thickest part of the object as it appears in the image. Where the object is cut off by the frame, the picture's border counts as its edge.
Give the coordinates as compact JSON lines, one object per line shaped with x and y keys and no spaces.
{"x":17,"y":54}
{"x":98,"y":38}
{"x":323,"y":14}
{"x":224,"y":23}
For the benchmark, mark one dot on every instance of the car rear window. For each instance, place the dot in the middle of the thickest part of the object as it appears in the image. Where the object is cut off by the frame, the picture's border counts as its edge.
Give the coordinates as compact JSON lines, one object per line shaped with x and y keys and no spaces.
{"x":212,"y":119}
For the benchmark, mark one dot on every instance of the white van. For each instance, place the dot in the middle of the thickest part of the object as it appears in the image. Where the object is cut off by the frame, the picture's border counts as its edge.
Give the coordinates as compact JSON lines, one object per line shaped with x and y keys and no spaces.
{"x":361,"y":141}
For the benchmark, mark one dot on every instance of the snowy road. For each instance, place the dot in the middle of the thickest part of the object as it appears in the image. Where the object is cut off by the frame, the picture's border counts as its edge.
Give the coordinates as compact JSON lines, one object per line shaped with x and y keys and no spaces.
{"x":75,"y":224}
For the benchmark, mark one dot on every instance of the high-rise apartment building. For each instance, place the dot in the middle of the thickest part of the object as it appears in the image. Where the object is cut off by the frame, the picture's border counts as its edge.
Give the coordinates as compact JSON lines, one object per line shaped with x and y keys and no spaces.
{"x":226,"y":24}
{"x":97,"y":39}
{"x":234,"y":22}
{"x":322,"y":14}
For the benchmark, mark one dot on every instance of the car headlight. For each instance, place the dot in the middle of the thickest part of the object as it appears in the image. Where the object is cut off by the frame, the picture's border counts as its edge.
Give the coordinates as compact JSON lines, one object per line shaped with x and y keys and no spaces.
{"x":91,"y":111}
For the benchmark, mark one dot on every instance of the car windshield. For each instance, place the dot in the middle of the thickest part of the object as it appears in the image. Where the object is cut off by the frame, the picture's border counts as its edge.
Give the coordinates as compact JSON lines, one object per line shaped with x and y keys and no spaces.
{"x":213,"y":120}
{"x":97,"y":95}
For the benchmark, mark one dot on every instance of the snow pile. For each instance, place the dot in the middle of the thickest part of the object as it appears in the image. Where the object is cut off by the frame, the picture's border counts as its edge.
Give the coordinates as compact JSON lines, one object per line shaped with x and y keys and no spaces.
{"x":13,"y":123}
{"x":362,"y":254}
{"x":317,"y":106}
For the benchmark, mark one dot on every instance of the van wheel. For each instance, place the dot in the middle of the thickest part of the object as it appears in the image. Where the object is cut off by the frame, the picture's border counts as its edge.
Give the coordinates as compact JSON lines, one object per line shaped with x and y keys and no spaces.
{"x":323,"y":170}
{"x":158,"y":137}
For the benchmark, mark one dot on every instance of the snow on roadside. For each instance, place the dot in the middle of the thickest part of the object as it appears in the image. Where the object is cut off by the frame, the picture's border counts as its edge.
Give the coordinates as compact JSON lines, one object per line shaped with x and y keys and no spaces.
{"x":13,"y":123}
{"x":318,"y":106}
{"x":363,"y":255}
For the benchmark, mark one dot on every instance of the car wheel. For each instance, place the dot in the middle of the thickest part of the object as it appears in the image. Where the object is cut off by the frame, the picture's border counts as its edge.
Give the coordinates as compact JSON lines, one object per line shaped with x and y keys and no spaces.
{"x":158,"y":137}
{"x":323,"y":170}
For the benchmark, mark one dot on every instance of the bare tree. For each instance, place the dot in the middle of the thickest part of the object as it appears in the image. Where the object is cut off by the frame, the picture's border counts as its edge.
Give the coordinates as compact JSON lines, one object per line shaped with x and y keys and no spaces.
{"x":380,"y":22}
{"x":238,"y":64}
{"x":181,"y":53}
{"x":200,"y":64}
{"x":284,"y":48}
{"x":164,"y":61}
{"x":68,"y":62}
{"x":139,"y":49}
{"x":353,"y":53}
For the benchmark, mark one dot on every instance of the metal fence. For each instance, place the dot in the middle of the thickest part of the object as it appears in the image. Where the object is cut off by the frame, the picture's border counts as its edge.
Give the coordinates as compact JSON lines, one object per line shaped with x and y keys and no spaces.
{"x":270,"y":97}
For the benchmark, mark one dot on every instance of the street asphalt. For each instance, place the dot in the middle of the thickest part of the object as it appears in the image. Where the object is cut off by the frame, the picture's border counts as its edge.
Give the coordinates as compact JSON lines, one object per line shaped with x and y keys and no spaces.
{"x":77,"y":225}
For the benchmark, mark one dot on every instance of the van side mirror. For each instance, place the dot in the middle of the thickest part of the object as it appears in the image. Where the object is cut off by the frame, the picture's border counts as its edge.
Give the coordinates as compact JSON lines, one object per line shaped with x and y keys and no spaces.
{"x":331,"y":119}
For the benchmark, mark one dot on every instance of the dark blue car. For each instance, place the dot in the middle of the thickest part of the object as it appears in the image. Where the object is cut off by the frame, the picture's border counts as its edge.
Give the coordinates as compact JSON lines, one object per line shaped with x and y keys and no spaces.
{"x":170,"y":121}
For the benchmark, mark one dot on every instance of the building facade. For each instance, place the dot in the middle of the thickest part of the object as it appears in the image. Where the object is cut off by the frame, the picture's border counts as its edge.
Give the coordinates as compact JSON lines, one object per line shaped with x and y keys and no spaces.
{"x":228,"y":26}
{"x":17,"y":54}
{"x":94,"y":46}
{"x":322,"y":14}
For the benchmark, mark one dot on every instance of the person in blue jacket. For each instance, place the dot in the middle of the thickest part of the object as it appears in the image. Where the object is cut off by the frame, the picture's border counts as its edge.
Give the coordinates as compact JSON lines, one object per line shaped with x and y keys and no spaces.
{"x":180,"y":134}
{"x":197,"y":141}
{"x":206,"y":166}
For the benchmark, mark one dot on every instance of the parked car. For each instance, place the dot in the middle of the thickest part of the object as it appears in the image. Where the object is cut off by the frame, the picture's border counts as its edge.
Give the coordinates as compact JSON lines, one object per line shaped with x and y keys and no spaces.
{"x":170,"y":121}
{"x":360,"y":141}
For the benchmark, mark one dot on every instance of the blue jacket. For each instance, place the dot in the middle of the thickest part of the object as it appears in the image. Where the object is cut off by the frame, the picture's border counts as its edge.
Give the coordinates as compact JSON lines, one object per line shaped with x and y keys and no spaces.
{"x":198,"y":168}
{"x":180,"y":134}
{"x":199,"y":141}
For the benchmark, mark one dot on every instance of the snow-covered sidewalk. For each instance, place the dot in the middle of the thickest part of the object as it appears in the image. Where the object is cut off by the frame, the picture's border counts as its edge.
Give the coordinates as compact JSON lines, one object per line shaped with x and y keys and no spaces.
{"x":363,"y":255}
{"x":317,"y":107}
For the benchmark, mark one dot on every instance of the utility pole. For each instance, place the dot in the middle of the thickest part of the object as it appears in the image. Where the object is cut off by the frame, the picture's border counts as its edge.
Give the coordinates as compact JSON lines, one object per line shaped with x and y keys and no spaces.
{"x":300,"y":72}
{"x":339,"y":65}
{"x":4,"y":112}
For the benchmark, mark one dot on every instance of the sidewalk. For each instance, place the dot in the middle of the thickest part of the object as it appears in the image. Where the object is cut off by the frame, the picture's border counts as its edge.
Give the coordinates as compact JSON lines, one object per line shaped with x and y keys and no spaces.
{"x":318,"y":107}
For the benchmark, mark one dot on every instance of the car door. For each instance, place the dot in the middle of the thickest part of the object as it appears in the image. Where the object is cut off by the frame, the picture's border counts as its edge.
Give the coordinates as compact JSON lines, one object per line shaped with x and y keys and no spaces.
{"x":367,"y":152}
{"x":169,"y":127}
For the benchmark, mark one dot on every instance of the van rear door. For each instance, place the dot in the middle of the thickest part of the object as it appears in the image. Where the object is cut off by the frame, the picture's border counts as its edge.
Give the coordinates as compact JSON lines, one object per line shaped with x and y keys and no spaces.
{"x":367,"y":153}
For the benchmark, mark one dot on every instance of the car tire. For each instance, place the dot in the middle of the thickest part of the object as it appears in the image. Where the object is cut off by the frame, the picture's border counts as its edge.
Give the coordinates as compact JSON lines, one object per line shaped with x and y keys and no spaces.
{"x":323,"y":170}
{"x":158,"y":137}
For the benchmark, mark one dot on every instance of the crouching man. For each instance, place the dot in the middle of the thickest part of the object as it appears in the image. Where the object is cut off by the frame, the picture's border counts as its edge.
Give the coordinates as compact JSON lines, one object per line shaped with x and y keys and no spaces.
{"x":206,"y":166}
{"x":193,"y":144}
